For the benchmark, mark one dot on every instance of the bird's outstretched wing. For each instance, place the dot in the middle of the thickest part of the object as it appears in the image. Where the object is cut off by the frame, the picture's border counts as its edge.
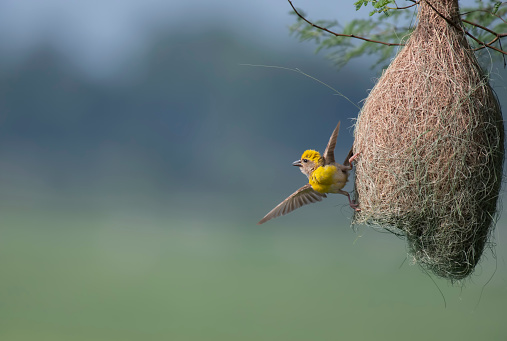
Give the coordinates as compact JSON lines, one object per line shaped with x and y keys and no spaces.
{"x":329,"y":152}
{"x":303,"y":196}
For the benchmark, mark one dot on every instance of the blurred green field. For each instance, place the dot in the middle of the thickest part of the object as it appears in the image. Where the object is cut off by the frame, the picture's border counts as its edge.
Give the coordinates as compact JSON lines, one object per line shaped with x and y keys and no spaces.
{"x":133,"y":276}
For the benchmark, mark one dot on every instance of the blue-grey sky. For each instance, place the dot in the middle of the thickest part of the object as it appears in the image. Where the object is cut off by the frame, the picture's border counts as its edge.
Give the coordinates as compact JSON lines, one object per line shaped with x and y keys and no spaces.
{"x":100,"y":35}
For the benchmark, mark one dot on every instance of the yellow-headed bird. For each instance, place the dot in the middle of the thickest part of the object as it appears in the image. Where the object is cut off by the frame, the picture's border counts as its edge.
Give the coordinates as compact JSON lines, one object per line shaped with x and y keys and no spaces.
{"x":324,"y":175}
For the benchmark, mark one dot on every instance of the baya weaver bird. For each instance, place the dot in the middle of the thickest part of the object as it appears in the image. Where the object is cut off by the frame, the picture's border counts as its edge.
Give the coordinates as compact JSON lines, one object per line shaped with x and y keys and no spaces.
{"x":324,"y":176}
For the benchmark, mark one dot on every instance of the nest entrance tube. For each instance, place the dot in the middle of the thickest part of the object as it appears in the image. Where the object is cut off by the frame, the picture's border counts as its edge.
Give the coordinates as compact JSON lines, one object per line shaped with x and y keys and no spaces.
{"x":431,"y":139}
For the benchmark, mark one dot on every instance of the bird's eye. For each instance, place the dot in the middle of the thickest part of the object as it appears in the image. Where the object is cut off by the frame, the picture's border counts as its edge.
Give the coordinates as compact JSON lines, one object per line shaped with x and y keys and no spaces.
{"x":305,"y":160}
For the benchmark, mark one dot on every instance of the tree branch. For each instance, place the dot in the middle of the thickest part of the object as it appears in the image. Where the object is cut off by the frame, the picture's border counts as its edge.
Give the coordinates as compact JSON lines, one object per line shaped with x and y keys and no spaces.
{"x":460,"y":28}
{"x":340,"y":34}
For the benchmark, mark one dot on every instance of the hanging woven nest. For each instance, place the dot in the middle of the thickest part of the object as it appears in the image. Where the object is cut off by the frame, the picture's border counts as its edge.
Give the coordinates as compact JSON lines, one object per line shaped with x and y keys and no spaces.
{"x":431,"y":139}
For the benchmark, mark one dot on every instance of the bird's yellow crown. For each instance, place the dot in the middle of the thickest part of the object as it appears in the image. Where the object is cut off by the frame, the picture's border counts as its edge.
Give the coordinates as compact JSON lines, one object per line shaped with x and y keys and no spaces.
{"x":312,"y":155}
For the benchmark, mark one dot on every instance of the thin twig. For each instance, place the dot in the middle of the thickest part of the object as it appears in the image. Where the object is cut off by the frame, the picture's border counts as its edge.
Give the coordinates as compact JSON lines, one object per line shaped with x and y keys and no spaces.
{"x":340,"y":34}
{"x":415,"y":3}
{"x":504,"y":61}
{"x":485,"y":11}
{"x":491,"y":42}
{"x":488,"y":11}
{"x":499,"y":35}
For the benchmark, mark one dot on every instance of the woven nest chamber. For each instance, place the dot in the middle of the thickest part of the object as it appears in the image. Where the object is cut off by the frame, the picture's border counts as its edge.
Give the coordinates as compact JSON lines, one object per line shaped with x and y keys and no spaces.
{"x":431,"y":139}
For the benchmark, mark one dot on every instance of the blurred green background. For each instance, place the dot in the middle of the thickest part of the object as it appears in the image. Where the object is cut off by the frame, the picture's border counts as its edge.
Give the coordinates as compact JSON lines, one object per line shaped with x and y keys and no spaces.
{"x":137,"y":155}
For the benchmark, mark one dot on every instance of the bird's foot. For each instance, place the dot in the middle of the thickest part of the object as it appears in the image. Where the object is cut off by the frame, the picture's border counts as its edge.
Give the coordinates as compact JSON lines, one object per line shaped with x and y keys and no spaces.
{"x":354,"y":205}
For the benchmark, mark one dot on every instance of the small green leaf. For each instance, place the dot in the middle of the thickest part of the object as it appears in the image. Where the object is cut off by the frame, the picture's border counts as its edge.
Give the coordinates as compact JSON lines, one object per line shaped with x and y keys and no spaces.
{"x":496,"y":7}
{"x":360,"y":3}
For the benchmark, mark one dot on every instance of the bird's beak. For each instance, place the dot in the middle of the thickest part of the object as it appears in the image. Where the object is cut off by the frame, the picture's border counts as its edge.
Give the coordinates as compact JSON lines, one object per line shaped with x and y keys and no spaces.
{"x":297,"y":163}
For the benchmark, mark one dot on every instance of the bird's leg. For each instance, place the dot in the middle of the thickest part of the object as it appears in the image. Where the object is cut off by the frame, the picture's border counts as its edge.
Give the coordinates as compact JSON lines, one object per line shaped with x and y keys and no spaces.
{"x":353,"y":157}
{"x":352,"y":203}
{"x":350,"y":158}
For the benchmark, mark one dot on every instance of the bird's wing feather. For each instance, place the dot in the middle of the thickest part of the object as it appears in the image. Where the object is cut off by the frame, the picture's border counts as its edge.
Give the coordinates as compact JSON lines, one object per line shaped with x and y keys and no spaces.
{"x":346,"y":163}
{"x":303,"y":196}
{"x":329,"y":152}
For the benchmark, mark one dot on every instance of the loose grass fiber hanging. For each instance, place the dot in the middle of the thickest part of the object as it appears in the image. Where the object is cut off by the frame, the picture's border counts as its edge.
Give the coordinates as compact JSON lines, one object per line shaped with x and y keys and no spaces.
{"x":431,"y":139}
